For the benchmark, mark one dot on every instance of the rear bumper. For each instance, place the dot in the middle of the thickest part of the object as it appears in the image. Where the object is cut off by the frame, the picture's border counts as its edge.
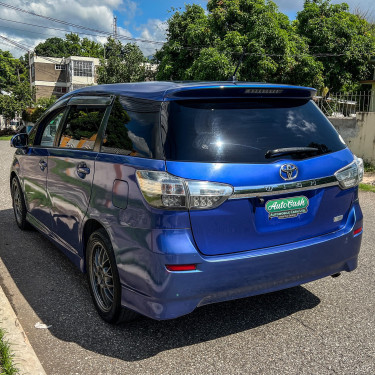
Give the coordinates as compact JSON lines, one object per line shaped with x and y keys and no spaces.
{"x":160,"y":294}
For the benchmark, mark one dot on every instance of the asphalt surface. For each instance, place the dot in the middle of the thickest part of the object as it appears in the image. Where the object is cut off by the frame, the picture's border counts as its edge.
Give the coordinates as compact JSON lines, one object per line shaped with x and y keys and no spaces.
{"x":324,"y":327}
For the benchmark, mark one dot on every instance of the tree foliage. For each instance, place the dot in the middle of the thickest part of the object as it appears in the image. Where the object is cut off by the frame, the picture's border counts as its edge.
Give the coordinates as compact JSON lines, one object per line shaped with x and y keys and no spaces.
{"x":72,"y":45}
{"x":41,"y":105}
{"x":16,"y":101}
{"x":123,"y":63}
{"x":208,"y":45}
{"x":332,"y":29}
{"x":16,"y":94}
{"x":12,"y":71}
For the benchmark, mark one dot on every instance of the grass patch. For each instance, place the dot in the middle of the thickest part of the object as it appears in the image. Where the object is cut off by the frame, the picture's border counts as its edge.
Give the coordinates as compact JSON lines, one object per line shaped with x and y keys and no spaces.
{"x":6,"y":137}
{"x":369,"y":167}
{"x":367,"y":187}
{"x":6,"y":357}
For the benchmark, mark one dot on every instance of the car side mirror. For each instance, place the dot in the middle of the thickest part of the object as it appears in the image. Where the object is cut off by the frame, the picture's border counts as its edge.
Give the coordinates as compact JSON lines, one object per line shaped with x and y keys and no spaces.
{"x":19,"y":140}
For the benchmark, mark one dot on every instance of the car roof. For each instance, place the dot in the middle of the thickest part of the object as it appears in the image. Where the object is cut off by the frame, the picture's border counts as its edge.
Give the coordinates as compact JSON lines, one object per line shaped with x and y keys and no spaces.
{"x":160,"y":90}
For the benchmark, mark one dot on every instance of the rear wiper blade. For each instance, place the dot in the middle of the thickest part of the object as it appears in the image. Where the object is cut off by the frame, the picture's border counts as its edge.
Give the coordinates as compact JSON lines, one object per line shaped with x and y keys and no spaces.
{"x":289,"y":151}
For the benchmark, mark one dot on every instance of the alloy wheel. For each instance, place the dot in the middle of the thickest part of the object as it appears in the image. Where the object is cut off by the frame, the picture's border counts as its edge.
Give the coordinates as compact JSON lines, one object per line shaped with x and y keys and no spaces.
{"x":17,"y":202}
{"x":102,"y":278}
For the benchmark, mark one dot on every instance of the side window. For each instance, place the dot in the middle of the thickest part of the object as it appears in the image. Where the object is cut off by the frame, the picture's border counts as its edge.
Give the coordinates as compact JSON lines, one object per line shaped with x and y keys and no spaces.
{"x":131,"y":129}
{"x":82,"y":125}
{"x":50,"y":129}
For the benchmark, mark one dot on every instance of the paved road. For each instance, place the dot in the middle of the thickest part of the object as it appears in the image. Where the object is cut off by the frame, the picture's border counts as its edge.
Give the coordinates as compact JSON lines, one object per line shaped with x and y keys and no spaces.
{"x":325,"y":327}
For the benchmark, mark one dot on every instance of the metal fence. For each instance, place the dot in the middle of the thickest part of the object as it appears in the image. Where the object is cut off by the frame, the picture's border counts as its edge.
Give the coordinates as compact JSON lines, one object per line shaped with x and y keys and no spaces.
{"x":346,"y":104}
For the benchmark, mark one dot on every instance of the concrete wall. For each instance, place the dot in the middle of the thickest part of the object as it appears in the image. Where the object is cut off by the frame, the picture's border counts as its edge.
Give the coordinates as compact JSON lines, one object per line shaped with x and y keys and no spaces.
{"x":43,"y":91}
{"x":358,"y":133}
{"x":47,"y":72}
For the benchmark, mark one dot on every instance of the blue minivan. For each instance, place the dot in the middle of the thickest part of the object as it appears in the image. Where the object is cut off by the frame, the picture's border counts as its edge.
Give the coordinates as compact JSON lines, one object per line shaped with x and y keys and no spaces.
{"x":174,"y":195}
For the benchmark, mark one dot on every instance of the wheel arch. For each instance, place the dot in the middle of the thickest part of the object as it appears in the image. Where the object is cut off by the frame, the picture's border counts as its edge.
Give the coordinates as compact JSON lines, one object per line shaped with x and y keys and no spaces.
{"x":90,"y":226}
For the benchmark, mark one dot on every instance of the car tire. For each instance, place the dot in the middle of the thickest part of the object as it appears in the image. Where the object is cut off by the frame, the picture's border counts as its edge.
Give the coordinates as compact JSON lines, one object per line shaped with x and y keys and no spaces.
{"x":104,"y":280}
{"x":19,"y":205}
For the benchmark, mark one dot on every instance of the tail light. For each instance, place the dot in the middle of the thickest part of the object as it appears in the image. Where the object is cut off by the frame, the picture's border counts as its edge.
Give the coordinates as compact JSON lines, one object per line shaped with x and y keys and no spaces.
{"x":163,"y":190}
{"x":351,"y":175}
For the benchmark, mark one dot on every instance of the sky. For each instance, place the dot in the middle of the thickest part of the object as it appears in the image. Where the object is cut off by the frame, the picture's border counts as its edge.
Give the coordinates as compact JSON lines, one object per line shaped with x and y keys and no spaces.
{"x":142,"y":19}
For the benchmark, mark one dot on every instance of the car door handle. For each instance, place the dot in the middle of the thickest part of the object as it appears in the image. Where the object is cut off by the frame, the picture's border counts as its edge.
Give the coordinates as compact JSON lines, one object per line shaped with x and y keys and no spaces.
{"x":42,"y":164}
{"x":82,"y":170}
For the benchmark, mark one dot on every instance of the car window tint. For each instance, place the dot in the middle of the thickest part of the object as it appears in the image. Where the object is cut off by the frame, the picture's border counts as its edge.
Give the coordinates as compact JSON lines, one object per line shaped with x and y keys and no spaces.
{"x":50,"y":131}
{"x":131,"y":128}
{"x":233,"y":131}
{"x":82,"y":127}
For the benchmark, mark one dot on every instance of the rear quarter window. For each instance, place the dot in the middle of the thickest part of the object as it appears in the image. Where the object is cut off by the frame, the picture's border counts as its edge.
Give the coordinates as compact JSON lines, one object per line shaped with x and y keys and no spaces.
{"x":132,"y":128}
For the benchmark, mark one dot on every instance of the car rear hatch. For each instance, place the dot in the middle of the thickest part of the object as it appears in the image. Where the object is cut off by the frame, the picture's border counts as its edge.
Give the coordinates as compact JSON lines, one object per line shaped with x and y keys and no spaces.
{"x":280,"y":156}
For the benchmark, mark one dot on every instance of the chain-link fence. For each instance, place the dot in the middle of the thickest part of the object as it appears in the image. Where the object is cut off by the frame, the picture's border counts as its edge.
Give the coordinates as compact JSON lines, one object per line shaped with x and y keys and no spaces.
{"x":346,"y":104}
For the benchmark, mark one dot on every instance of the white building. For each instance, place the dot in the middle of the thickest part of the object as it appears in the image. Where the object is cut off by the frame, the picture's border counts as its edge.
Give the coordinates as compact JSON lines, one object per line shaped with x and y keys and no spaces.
{"x":57,"y":76}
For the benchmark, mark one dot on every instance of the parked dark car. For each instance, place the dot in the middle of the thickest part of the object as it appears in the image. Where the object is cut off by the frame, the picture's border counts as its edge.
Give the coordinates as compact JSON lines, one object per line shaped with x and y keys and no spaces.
{"x":176,"y":195}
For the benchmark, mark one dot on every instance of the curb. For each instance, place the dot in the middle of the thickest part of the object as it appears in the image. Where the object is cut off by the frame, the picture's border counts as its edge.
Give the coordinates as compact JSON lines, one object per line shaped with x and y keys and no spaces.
{"x":24,"y":358}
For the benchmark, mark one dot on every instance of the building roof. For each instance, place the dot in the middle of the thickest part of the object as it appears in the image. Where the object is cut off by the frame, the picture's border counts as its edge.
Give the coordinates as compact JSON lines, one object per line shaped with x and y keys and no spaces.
{"x":62,"y":60}
{"x":160,"y":91}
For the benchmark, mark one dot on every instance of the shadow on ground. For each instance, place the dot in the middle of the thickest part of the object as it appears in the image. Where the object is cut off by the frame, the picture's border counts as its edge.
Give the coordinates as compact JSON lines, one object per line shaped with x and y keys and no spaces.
{"x":58,"y":293}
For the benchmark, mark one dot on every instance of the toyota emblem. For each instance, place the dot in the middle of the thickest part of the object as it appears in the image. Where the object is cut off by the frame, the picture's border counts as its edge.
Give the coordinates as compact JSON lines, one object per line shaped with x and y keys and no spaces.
{"x":288,"y":172}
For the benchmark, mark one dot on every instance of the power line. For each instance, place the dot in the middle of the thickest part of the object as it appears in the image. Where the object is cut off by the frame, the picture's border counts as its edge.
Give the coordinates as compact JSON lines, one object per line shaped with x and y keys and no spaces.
{"x":48,"y":28}
{"x":28,"y":31}
{"x":104,"y":33}
{"x":14,"y":43}
{"x":51,"y":28}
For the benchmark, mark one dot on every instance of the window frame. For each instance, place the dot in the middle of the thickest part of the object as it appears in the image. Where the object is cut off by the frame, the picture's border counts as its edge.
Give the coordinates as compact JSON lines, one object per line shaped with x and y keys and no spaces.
{"x":87,"y":100}
{"x":159,"y":154}
{"x":81,"y":66}
{"x":63,"y":111}
{"x":60,"y":89}
{"x":44,"y":123}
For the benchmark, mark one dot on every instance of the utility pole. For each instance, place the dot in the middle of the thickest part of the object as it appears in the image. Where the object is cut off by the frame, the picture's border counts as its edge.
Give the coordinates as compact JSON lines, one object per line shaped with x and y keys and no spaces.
{"x":29,"y":53}
{"x":115,"y":27}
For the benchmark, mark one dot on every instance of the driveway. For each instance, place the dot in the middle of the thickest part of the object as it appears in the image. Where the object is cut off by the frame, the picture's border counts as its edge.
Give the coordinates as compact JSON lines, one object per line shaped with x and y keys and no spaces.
{"x":325,"y":327}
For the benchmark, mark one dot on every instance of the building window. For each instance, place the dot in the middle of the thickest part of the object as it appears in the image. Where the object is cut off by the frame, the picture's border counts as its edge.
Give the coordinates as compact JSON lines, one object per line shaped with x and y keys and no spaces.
{"x":60,"y":67}
{"x":82,"y":68}
{"x":60,"y":89}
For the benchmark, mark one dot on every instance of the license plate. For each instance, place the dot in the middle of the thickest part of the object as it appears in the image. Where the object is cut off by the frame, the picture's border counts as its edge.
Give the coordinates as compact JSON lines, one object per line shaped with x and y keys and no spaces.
{"x":286,"y":208}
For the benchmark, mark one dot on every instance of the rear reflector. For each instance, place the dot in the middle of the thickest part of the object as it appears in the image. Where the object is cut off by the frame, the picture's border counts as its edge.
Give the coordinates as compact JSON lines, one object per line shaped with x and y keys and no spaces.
{"x":359,"y":230}
{"x":181,"y":267}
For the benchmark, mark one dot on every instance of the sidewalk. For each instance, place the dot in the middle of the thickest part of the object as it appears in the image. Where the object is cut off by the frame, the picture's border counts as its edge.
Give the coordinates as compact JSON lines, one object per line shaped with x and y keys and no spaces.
{"x":25,"y":358}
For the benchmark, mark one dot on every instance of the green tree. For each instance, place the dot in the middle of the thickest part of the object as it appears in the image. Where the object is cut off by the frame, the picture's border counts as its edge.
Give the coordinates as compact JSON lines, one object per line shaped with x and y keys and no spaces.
{"x":20,"y":98}
{"x":123,"y":63}
{"x":72,"y":45}
{"x":41,"y":105}
{"x":209,"y":45}
{"x":344,"y":39}
{"x":12,"y":71}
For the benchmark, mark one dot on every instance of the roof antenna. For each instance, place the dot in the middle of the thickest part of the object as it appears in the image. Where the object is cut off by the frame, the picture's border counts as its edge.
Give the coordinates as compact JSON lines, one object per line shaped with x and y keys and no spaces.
{"x":233,"y":78}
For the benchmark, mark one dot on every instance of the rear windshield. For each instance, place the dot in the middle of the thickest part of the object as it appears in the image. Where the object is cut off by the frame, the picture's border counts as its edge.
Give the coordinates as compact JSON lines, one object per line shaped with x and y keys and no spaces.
{"x":243,"y":132}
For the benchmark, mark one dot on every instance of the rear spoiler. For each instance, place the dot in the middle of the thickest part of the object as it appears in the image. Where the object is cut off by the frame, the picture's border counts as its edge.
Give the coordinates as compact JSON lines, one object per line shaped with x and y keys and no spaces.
{"x":243,"y":92}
